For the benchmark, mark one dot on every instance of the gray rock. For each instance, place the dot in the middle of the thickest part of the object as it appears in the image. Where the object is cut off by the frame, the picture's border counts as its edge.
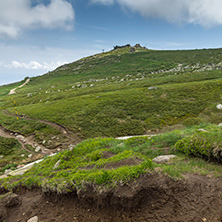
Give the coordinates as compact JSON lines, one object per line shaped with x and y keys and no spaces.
{"x":33,"y":219}
{"x":20,"y":137}
{"x":37,"y":149}
{"x":7,"y":172}
{"x":203,"y":130}
{"x":30,"y":155}
{"x":57,"y":164}
{"x":71,"y":147}
{"x":153,"y":87}
{"x":163,"y":158}
{"x":219,"y":106}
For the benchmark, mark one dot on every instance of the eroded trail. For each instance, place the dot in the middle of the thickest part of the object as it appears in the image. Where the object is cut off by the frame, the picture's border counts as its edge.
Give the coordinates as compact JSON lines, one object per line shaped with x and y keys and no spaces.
{"x":70,"y":135}
{"x":12,"y":91}
{"x":24,"y":141}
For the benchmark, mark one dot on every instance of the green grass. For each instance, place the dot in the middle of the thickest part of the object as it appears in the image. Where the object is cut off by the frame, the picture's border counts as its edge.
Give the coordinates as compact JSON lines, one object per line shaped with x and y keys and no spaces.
{"x":11,"y":154}
{"x":98,"y":162}
{"x":107,"y":94}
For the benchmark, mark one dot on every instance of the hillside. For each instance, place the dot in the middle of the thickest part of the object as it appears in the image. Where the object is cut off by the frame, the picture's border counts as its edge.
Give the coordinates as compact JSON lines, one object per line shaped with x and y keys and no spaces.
{"x":108,"y":94}
{"x":78,"y":109}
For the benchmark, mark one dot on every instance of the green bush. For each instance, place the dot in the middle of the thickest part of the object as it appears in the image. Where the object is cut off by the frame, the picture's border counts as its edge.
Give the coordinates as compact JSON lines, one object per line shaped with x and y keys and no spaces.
{"x":203,"y":145}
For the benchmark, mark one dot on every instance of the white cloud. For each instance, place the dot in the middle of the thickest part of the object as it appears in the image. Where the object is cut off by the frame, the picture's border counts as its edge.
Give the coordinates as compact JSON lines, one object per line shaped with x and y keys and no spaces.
{"x":15,"y":16}
{"x":35,"y":65}
{"x":106,"y":2}
{"x":203,"y":12}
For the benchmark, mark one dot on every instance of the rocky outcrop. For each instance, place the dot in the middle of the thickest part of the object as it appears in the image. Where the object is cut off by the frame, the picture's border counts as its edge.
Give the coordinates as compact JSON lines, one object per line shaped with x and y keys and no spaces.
{"x":120,"y":47}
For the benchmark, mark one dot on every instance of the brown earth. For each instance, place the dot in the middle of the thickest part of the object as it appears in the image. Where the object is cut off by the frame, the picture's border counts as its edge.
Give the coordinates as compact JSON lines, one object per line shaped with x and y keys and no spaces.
{"x":151,"y":198}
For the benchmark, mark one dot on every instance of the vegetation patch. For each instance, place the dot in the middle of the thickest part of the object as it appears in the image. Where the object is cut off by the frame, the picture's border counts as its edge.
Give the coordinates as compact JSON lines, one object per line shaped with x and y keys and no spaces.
{"x":107,"y":162}
{"x":206,"y":144}
{"x":11,"y":154}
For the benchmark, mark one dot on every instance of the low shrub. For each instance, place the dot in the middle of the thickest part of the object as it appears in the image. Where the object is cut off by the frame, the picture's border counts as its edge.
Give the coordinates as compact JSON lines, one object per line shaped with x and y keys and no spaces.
{"x":206,"y":145}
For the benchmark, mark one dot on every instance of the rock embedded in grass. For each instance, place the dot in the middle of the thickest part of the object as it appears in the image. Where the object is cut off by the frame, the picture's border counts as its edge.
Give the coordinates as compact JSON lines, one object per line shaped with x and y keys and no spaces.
{"x":163,"y":158}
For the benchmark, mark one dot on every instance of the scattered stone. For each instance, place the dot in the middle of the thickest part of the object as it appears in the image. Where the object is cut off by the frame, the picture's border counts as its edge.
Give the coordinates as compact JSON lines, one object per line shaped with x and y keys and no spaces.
{"x":43,"y":142}
{"x":121,"y":144}
{"x":71,"y":147}
{"x":33,"y":219}
{"x":57,"y":164}
{"x":152,"y":87}
{"x":219,"y":106}
{"x":30,"y":155}
{"x":22,"y":155}
{"x":53,"y":137}
{"x":7,"y":172}
{"x":1,"y":156}
{"x":203,"y":130}
{"x":220,"y":124}
{"x":163,"y":158}
{"x":37,"y":149}
{"x":58,"y":149}
{"x":24,"y":141}
{"x":20,"y":137}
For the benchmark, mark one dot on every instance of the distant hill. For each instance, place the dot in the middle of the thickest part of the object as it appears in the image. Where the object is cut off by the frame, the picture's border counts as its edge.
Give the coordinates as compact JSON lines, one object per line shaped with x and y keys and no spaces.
{"x":125,"y":92}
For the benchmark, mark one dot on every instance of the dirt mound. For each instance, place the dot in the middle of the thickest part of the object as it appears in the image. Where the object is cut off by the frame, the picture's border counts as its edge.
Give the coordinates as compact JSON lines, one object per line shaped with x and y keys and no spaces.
{"x":150,"y":198}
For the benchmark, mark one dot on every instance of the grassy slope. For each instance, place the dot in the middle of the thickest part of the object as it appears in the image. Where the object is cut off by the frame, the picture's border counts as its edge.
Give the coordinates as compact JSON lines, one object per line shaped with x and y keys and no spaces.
{"x":108,"y":95}
{"x":105,"y":162}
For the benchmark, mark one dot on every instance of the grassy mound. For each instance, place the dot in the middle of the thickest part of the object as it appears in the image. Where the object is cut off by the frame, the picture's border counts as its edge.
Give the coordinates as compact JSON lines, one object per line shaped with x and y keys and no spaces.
{"x":206,"y":144}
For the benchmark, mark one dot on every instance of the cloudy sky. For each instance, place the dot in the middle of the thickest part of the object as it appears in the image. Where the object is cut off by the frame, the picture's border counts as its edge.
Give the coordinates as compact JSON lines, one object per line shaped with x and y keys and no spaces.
{"x":36,"y":36}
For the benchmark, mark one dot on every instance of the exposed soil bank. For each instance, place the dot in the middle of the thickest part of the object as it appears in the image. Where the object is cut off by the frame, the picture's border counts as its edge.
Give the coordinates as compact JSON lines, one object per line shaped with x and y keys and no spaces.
{"x":151,"y":198}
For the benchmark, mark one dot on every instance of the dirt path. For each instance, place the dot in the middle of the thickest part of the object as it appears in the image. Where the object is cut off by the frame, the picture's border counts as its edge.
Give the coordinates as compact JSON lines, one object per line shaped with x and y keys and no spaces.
{"x":7,"y":134}
{"x":24,"y":141}
{"x":61,"y":128}
{"x":12,"y":91}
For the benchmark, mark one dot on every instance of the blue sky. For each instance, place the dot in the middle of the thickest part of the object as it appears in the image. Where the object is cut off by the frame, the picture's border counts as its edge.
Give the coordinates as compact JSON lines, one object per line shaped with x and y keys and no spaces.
{"x":36,"y":36}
